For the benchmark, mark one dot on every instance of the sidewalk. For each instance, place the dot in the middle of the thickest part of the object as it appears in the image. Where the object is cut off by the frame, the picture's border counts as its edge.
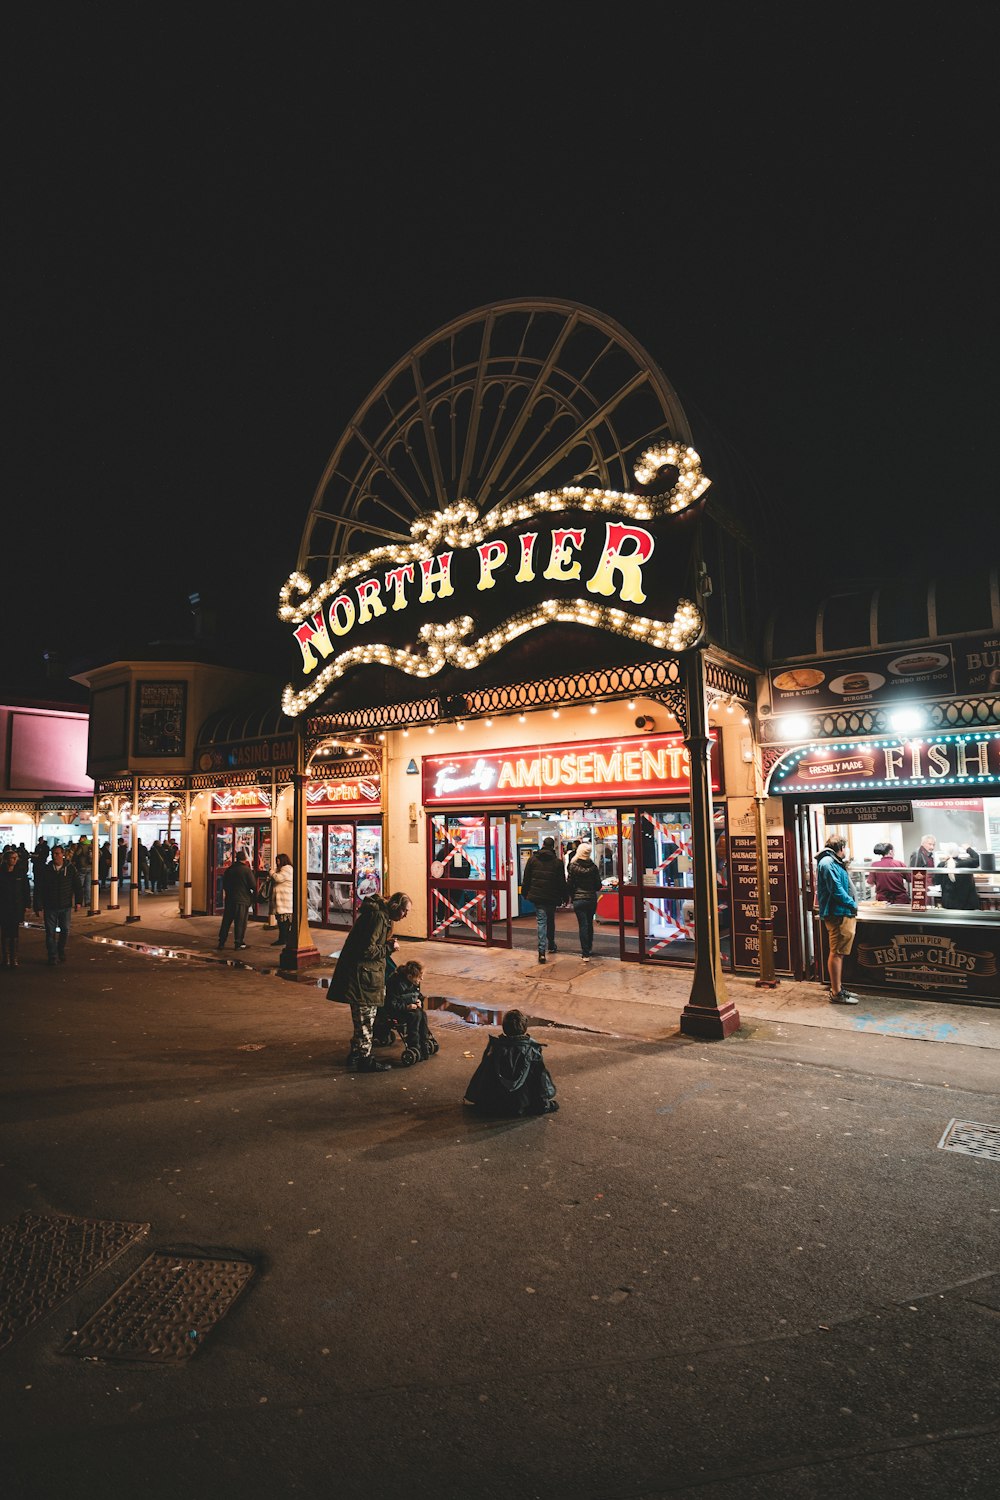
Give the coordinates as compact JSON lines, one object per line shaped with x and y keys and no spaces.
{"x":639,"y":1002}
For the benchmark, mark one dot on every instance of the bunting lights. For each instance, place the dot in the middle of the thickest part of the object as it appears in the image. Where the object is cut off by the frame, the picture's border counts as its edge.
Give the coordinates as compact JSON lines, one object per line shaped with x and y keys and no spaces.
{"x":419,"y":571}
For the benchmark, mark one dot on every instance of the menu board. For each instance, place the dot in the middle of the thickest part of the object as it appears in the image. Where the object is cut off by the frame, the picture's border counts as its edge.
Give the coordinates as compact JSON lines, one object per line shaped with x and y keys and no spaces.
{"x":744,"y":897}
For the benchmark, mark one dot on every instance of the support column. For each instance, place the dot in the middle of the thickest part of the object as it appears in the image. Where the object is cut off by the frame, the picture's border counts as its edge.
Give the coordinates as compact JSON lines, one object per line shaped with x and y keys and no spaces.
{"x":709,"y":1014}
{"x":133,"y":887}
{"x":187,"y":855}
{"x":114,"y":873}
{"x":95,"y":863}
{"x":765,"y":912}
{"x":301,"y":952}
{"x":272,"y":920}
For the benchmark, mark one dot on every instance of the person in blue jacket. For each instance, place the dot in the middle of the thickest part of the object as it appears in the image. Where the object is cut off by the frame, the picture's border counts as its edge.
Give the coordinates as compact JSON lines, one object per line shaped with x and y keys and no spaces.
{"x":839,"y":912}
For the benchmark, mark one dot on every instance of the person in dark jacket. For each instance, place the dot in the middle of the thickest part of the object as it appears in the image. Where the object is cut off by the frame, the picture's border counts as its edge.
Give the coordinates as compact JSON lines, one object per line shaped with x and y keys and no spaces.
{"x":923,"y":858}
{"x":512,"y":1079}
{"x":583,"y":883}
{"x":104,"y":863}
{"x":544,"y":885}
{"x":39,"y":860}
{"x":240,"y":892}
{"x":839,"y":912}
{"x":958,"y":892}
{"x":15,"y":897}
{"x":359,"y":978}
{"x":404,"y":1010}
{"x":57,"y":894}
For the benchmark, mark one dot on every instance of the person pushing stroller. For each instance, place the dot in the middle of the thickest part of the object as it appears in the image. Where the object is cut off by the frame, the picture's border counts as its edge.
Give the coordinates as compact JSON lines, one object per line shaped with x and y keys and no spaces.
{"x":404,"y":1012}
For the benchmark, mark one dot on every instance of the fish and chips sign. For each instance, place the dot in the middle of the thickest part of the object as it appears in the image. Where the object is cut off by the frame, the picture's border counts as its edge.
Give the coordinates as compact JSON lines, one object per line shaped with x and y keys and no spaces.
{"x":465,"y":586}
{"x":934,"y":760}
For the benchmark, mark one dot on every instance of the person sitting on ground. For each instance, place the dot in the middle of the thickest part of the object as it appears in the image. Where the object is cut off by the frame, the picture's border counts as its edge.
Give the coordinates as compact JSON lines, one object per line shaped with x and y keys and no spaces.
{"x":512,"y":1079}
{"x":404,"y":1008}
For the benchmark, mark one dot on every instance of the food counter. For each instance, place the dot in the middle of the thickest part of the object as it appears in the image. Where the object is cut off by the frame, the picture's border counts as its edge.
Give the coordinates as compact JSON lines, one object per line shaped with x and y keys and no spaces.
{"x":929,"y":955}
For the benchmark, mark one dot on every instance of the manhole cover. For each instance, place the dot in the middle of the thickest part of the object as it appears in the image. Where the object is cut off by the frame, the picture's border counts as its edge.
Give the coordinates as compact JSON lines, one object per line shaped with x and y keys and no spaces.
{"x":972,"y":1139}
{"x":45,"y":1259}
{"x":163,"y":1313}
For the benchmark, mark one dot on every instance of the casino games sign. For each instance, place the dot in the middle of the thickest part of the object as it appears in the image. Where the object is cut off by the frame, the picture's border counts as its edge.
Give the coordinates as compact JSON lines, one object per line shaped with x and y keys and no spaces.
{"x":466,"y":585}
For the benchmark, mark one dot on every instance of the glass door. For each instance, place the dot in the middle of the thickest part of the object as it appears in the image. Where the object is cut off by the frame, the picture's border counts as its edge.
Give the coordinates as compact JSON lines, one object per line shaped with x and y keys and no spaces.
{"x":344,"y":866}
{"x":470,"y":879}
{"x":653,"y":902}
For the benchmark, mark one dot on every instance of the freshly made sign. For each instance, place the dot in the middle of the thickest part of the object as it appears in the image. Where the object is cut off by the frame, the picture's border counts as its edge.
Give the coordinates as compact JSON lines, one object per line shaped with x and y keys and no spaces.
{"x":933,"y":761}
{"x":465,"y":586}
{"x":541,"y":774}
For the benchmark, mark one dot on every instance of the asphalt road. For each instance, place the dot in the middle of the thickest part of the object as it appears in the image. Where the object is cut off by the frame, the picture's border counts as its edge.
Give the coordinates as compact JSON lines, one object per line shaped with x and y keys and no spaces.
{"x":733,"y":1269}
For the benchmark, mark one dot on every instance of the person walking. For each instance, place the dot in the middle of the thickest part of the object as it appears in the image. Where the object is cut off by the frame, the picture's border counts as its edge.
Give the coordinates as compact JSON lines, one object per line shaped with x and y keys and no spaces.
{"x":583,"y":884}
{"x":15,"y":897}
{"x":104,"y":863}
{"x":359,"y":978}
{"x":544,"y":885}
{"x":839,"y":912}
{"x":240,"y":892}
{"x":39,"y":860}
{"x":57,"y":895}
{"x":282,"y":890}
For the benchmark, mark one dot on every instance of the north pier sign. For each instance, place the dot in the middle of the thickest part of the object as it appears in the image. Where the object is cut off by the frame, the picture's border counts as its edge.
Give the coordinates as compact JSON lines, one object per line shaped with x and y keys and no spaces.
{"x":465,"y":586}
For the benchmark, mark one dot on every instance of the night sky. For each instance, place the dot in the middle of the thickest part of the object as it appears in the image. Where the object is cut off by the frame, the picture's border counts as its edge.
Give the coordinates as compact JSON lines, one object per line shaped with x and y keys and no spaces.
{"x":221,"y":238}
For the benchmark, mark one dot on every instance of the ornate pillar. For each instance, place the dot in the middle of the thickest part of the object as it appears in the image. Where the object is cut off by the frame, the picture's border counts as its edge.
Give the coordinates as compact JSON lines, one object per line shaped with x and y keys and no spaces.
{"x":95,"y":863}
{"x":301,"y":952}
{"x":187,"y":854}
{"x":114,"y":824}
{"x":272,"y":920}
{"x":709,"y":1013}
{"x":133,"y":886}
{"x":765,"y":912}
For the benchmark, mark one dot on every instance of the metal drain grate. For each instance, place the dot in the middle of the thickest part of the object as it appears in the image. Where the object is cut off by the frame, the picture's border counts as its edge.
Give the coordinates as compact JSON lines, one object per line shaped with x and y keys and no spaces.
{"x":46,"y":1258}
{"x":163,"y":1313}
{"x":972,"y":1138}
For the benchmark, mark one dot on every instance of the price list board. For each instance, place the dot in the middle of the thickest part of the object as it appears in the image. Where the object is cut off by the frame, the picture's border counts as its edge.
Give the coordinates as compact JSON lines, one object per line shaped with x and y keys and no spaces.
{"x":744,"y":897}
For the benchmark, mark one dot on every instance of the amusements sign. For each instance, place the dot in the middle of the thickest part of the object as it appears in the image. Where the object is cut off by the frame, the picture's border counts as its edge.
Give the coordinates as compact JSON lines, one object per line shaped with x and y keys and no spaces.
{"x":745,"y":906}
{"x":538,"y":774}
{"x":929,"y":957}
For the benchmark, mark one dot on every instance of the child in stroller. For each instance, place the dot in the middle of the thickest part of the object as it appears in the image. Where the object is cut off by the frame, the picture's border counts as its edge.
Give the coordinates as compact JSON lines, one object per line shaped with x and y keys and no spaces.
{"x":403,"y":1015}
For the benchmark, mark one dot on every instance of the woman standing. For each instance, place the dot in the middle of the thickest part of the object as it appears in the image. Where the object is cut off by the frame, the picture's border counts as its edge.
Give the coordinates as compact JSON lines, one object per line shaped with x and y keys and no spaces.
{"x":893,"y":888}
{"x":284,"y":880}
{"x":583,"y":883}
{"x":15,"y":894}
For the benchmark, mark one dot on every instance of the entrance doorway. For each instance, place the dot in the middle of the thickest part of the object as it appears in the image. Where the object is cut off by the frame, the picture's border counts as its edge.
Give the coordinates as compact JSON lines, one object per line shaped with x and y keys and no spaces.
{"x":226,"y":841}
{"x":645,"y":855}
{"x":472,"y":883}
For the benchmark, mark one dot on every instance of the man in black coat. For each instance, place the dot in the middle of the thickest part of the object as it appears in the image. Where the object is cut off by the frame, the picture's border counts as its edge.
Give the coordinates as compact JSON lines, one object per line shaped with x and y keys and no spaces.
{"x":57,"y":892}
{"x":240,"y":891}
{"x":15,"y":896}
{"x":544,"y":885}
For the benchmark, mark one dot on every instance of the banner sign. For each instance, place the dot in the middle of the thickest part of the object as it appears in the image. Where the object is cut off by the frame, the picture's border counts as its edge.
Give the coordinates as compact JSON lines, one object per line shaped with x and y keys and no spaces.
{"x":579,"y":770}
{"x":868,"y":812}
{"x":358,"y":795}
{"x":928,"y":956}
{"x":468,"y":585}
{"x":933,"y":762}
{"x":361,"y":794}
{"x":940,"y":670}
{"x":743,"y":890}
{"x":238,"y":755}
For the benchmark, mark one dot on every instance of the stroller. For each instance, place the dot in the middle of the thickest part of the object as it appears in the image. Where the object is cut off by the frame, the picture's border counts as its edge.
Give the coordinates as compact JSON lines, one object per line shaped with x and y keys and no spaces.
{"x":403,"y":1016}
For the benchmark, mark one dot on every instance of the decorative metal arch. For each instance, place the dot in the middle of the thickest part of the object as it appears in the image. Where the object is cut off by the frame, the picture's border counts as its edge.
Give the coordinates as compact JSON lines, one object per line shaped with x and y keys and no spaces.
{"x":486,"y":409}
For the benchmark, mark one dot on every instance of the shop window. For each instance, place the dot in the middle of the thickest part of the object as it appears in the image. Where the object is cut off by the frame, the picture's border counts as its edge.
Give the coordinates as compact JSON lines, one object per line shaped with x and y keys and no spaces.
{"x":964,"y":603}
{"x":847,"y":622}
{"x":902,"y":612}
